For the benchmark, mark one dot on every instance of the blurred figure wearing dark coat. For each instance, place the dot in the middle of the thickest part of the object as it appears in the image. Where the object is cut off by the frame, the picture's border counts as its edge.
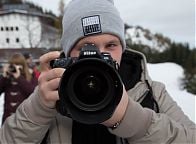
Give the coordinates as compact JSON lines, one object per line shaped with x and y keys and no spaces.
{"x":17,"y":83}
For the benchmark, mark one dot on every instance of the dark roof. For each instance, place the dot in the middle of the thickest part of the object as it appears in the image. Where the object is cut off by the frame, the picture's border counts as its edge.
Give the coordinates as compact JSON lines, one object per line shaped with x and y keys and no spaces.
{"x":25,"y":12}
{"x":21,"y":6}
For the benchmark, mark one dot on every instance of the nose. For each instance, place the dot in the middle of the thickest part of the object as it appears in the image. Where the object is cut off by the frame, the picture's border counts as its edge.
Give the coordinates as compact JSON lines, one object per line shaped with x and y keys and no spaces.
{"x":101,"y":49}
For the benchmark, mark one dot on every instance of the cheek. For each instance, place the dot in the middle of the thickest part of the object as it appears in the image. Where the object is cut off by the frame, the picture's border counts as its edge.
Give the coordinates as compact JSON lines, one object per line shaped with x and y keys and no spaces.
{"x":74,"y":53}
{"x":118,"y":59}
{"x":117,"y":56}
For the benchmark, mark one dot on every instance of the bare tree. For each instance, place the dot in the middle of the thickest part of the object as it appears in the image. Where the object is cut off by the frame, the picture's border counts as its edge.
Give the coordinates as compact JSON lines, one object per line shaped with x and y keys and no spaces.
{"x":32,"y":33}
{"x":61,"y":8}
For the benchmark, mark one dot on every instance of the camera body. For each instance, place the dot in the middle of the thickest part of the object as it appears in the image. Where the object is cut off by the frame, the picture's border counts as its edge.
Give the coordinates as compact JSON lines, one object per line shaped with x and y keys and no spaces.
{"x":10,"y":71}
{"x":87,"y":52}
{"x":90,"y":88}
{"x":11,"y":68}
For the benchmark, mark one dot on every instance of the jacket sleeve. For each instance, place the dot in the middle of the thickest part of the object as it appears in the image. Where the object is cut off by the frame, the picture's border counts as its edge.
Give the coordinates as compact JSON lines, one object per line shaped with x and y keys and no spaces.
{"x":29,"y":124}
{"x":3,"y":83}
{"x":144,"y":126}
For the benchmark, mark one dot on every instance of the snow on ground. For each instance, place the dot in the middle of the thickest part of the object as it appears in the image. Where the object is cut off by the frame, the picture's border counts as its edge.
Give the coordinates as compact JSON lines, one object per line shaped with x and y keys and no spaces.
{"x":171,"y":74}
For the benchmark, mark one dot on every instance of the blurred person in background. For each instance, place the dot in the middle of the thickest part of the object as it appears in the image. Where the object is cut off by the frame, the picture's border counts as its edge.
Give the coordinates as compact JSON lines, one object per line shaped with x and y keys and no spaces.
{"x":1,"y":69}
{"x":33,"y":67}
{"x":17,"y":83}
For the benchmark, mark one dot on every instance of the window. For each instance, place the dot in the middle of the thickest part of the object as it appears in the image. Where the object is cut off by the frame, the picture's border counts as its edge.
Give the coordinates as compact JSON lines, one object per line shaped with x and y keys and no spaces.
{"x":17,"y":28}
{"x":7,"y":40}
{"x":11,"y":28}
{"x":7,"y":28}
{"x":2,"y":29}
{"x":17,"y":40}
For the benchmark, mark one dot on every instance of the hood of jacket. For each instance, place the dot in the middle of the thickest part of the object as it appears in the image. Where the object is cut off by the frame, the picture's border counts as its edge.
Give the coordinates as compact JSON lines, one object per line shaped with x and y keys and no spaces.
{"x":133,"y":68}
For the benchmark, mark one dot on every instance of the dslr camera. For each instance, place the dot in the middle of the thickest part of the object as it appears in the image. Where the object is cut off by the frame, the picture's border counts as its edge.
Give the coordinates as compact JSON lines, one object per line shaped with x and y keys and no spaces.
{"x":11,"y":68}
{"x":90,"y":88}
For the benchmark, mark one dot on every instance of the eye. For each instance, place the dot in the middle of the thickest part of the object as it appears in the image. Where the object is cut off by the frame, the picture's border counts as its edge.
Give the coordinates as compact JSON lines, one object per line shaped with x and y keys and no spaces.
{"x":111,"y":45}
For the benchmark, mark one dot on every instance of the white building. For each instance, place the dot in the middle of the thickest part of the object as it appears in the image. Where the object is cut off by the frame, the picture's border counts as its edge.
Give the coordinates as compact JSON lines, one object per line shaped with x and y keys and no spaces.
{"x":20,"y":28}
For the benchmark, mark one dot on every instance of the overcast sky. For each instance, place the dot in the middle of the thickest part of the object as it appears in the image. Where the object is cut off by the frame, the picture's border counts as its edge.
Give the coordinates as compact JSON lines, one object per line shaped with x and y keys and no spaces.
{"x":173,"y":18}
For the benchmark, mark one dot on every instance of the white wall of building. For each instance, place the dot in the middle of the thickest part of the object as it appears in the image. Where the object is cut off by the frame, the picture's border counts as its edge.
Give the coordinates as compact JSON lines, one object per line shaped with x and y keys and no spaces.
{"x":19,"y":31}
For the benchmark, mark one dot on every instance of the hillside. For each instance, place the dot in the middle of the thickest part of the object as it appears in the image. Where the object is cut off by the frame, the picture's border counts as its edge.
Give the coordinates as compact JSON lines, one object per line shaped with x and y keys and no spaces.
{"x":142,"y":36}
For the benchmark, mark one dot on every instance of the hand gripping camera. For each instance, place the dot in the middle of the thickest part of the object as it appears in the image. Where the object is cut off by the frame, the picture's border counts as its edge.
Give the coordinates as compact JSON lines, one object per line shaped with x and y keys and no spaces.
{"x":90,"y":88}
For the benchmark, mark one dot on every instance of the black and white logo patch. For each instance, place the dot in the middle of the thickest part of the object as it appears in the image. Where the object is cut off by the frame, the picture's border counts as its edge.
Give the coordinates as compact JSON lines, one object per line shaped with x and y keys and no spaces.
{"x":91,"y":25}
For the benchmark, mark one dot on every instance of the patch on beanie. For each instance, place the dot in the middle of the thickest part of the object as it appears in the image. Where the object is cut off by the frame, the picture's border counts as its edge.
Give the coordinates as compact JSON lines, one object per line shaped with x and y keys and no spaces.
{"x":91,"y":25}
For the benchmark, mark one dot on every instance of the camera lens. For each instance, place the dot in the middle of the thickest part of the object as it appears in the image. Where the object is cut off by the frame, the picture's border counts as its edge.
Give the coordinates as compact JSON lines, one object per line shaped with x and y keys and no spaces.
{"x":89,"y":91}
{"x":90,"y":87}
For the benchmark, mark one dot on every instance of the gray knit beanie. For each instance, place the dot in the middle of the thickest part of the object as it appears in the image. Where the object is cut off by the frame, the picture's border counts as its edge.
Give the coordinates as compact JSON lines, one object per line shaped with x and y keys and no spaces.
{"x":88,"y":17}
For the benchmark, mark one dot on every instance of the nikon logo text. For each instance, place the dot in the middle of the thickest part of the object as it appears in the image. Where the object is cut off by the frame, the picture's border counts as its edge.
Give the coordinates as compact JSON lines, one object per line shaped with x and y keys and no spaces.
{"x":89,"y":53}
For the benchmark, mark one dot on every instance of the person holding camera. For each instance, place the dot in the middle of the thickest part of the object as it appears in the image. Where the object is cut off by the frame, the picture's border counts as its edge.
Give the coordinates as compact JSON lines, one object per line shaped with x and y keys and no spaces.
{"x":97,"y":91}
{"x":17,"y":83}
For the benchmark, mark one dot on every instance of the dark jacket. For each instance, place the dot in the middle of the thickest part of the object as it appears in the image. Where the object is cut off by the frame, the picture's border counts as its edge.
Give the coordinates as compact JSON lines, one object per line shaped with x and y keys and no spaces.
{"x":16,"y":91}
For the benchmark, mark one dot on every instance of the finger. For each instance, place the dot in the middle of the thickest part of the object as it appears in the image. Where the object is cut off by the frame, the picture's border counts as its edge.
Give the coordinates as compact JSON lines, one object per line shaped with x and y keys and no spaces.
{"x":51,"y":74}
{"x":50,"y":99}
{"x":48,"y":90}
{"x":53,"y":84}
{"x":5,"y":67}
{"x":46,"y":58}
{"x":51,"y":96}
{"x":54,"y":96}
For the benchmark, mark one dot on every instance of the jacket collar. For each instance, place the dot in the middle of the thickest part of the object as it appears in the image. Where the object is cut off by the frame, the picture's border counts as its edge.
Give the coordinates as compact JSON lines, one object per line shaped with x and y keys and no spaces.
{"x":133,"y":68}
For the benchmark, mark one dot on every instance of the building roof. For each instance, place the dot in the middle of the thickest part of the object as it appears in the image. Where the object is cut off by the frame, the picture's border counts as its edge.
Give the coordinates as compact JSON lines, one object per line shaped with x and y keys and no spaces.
{"x":25,"y":12}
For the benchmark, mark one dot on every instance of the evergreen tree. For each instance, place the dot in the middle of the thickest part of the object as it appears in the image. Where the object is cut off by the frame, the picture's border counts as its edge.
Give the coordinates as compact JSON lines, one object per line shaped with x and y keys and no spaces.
{"x":60,"y":17}
{"x":189,"y":82}
{"x":177,"y":53}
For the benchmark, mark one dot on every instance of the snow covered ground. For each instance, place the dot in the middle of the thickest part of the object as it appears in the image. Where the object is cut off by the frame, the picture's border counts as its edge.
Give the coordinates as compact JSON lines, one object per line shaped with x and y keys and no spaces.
{"x":170,"y":74}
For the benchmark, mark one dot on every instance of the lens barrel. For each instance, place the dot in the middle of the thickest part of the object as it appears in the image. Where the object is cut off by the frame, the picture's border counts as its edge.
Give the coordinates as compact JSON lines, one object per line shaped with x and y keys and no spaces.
{"x":89,"y":91}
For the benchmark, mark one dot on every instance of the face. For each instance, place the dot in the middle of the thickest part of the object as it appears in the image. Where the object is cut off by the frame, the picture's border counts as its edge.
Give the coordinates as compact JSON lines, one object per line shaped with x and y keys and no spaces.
{"x":29,"y":60}
{"x":104,"y":42}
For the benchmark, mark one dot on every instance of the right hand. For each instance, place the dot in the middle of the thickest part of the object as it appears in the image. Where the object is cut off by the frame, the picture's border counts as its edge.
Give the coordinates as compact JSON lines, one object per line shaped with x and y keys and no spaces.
{"x":49,"y":79}
{"x":7,"y":73}
{"x":5,"y":70}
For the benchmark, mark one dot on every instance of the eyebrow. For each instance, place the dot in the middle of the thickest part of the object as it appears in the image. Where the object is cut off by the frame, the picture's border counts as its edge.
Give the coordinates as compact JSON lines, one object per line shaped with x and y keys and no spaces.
{"x":90,"y":42}
{"x":114,"y":41}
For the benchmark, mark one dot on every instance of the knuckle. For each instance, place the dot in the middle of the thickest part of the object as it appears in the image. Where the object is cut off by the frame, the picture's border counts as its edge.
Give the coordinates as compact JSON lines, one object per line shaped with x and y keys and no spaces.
{"x":57,"y":72}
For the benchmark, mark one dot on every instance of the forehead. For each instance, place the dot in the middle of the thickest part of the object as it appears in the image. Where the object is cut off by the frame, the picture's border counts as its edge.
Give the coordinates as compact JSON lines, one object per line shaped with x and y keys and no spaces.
{"x":101,"y":38}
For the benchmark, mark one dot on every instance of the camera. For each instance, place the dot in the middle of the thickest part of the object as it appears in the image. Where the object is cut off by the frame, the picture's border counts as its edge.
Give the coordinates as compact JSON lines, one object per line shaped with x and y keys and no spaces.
{"x":10,"y":71}
{"x":90,"y":88}
{"x":11,"y":68}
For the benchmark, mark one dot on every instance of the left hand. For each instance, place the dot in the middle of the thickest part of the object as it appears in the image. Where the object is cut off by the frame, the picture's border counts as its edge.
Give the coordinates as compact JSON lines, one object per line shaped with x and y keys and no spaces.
{"x":119,"y":112}
{"x":18,"y":71}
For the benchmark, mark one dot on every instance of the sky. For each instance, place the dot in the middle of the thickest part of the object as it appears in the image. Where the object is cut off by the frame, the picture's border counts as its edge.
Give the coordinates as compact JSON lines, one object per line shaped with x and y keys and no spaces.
{"x":159,"y":72}
{"x":173,"y":18}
